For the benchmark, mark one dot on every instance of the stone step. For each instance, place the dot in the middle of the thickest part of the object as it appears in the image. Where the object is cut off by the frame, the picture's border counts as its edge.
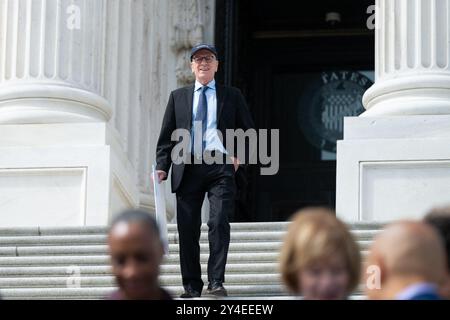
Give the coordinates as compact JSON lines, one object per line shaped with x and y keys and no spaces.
{"x":22,"y":251}
{"x":242,"y":226}
{"x":74,"y":261}
{"x":69,"y":240}
{"x":101,"y":239}
{"x":66,"y":287}
{"x":104,"y":259}
{"x":52,"y":231}
{"x":103,"y":249}
{"x":171,"y":227}
{"x":101,"y":292}
{"x":105,"y":269}
{"x":280,"y":226}
{"x":108,"y":281}
{"x":271,"y":267}
{"x":234,"y":283}
{"x":36,"y":263}
{"x":52,"y":240}
{"x":24,"y":271}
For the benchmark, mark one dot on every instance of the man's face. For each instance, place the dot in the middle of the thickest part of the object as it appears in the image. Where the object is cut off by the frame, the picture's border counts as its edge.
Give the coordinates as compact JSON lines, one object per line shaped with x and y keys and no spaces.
{"x":204,"y":65}
{"x":136,"y":254}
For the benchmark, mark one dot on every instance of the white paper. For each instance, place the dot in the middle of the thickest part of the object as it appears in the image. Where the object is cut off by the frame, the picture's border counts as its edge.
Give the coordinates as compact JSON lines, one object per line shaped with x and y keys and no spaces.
{"x":160,"y":207}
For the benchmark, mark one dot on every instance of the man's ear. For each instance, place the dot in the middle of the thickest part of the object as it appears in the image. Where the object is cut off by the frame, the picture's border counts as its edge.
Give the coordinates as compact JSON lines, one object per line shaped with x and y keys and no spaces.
{"x":374,"y":271}
{"x":383,"y":270}
{"x":192,"y":67}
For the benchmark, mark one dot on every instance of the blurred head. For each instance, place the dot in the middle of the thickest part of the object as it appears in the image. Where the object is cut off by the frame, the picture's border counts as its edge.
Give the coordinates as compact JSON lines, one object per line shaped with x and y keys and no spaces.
{"x":136,"y":253}
{"x":405,"y":253}
{"x":439,"y":218}
{"x":319,"y":258}
{"x":204,"y":65}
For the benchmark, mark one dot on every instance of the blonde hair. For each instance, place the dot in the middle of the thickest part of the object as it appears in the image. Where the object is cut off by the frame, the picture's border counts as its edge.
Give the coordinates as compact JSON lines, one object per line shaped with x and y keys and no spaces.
{"x":316,"y":234}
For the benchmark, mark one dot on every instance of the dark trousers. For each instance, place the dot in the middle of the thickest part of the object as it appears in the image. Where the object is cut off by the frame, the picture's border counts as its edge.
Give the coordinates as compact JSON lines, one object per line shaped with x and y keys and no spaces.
{"x":217,"y":180}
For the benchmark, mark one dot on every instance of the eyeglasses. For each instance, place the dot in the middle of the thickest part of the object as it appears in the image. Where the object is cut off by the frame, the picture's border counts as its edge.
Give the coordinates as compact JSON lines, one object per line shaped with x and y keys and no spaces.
{"x":208,"y":59}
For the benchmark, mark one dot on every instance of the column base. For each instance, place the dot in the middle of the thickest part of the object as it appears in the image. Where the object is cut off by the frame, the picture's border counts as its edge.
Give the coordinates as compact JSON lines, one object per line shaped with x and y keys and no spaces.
{"x":391,"y":168}
{"x":63,"y":175}
{"x":411,"y":94}
{"x":50,"y":102}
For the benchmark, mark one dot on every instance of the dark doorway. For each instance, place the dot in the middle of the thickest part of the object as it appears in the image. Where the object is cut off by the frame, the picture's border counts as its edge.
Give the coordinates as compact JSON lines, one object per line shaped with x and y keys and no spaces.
{"x":292,"y":65}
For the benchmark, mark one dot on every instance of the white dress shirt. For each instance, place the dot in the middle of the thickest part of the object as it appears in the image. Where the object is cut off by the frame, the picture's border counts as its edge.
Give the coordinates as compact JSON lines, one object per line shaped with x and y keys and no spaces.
{"x":212,"y":139}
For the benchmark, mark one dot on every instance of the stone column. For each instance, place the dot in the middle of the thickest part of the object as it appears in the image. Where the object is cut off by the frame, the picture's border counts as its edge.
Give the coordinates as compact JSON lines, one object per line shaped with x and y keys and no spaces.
{"x":62,"y":163}
{"x":412,"y":59}
{"x":394,"y":161}
{"x":51,"y":61}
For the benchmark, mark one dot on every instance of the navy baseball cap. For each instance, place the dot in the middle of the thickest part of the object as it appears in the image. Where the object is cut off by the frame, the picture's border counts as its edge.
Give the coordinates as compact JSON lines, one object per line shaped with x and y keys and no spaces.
{"x":203,"y":46}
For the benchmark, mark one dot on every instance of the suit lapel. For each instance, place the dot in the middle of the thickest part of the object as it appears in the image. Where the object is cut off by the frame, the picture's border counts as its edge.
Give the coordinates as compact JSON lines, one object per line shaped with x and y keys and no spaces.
{"x":189,"y":102}
{"x":220,"y":102}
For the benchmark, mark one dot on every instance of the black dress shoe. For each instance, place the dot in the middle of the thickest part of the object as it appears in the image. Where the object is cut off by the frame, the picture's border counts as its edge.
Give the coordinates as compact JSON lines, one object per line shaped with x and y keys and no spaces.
{"x":190,"y":293}
{"x":216,"y":288}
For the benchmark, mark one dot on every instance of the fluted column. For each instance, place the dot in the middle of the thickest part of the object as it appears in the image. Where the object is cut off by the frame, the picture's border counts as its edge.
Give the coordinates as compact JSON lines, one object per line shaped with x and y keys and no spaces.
{"x":412,"y":59}
{"x":51,"y":61}
{"x":127,"y":79}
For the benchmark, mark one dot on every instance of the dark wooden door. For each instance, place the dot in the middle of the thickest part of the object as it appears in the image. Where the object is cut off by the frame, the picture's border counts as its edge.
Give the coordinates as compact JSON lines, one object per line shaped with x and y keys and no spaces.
{"x":274,"y":58}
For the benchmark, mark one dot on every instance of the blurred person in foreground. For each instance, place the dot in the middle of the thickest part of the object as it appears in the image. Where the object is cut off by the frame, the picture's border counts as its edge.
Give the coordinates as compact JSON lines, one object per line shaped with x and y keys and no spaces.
{"x":439,"y":218}
{"x":136,"y":252}
{"x":320,"y":259}
{"x":409,"y":262}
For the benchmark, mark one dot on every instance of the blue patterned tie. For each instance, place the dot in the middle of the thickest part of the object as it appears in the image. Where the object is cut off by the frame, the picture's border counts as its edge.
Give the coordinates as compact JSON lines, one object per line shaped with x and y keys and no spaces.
{"x":201,"y":116}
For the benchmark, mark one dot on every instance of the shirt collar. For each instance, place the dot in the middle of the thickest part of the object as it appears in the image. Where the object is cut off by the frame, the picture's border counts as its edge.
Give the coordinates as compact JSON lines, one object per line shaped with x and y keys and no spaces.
{"x":210,"y":85}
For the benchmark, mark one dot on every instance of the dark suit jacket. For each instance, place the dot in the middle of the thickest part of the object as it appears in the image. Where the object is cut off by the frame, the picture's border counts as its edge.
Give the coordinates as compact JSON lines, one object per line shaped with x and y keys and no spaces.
{"x":232,"y":113}
{"x":426,"y":296}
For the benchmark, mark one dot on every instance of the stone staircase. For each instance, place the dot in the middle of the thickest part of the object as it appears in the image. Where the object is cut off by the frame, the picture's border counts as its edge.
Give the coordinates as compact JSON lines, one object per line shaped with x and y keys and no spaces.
{"x":72,"y":262}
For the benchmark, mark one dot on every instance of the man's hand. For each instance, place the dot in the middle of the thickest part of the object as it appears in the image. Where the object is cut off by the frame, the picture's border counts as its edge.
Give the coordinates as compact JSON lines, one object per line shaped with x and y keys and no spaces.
{"x":236,"y":163}
{"x":162,"y":175}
